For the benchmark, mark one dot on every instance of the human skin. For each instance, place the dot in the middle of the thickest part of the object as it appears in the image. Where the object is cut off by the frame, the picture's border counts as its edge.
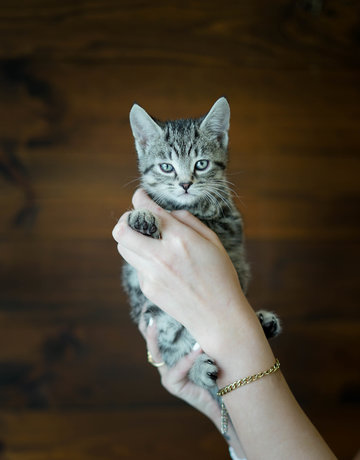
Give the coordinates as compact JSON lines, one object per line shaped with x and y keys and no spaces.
{"x":189,"y":275}
{"x":176,"y":381}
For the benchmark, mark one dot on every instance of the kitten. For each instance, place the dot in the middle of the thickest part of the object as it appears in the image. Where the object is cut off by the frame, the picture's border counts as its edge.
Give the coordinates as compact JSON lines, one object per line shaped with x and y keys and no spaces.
{"x":182,"y":165}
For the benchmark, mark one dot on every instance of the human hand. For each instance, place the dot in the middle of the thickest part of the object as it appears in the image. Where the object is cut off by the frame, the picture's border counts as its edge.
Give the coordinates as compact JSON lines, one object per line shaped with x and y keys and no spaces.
{"x":175,"y":379}
{"x":187,"y":272}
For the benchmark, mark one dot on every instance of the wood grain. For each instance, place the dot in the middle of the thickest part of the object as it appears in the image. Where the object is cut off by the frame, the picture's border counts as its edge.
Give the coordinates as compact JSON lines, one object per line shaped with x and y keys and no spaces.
{"x":74,"y":382}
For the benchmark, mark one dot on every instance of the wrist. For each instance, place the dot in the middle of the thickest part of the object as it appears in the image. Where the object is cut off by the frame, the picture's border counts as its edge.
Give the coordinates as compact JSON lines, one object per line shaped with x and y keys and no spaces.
{"x":240,"y":348}
{"x":217,"y":322}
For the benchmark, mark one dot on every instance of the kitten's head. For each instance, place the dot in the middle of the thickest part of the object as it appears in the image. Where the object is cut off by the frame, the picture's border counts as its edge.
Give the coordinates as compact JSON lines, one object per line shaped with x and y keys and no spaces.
{"x":182,"y":162}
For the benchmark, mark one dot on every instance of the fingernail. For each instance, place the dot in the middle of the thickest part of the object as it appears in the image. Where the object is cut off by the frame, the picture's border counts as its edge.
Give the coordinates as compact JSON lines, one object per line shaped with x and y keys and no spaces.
{"x":151,"y":322}
{"x":196,"y":346}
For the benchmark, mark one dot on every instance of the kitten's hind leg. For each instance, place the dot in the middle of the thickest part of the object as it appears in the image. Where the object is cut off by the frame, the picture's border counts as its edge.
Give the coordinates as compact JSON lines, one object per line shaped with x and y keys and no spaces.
{"x":204,"y":372}
{"x":143,"y":221}
{"x":270,"y":323}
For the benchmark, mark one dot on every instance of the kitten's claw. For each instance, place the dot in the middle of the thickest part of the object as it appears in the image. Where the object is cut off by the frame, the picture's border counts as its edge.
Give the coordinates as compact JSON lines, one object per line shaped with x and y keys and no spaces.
{"x":213,"y":375}
{"x":204,"y":372}
{"x":270,"y":323}
{"x":143,"y":221}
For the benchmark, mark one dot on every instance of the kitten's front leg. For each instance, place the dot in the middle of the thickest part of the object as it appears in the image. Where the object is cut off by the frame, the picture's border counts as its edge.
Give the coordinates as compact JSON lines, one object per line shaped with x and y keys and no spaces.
{"x":143,"y":221}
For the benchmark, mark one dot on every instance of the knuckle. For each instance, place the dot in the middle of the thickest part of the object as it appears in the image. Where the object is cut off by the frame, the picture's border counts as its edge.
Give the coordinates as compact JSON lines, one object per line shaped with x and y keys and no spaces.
{"x":147,"y":288}
{"x":159,"y":210}
{"x":183,"y":213}
{"x":143,"y":284}
{"x":165,"y":382}
{"x":180,"y":245}
{"x":118,"y":230}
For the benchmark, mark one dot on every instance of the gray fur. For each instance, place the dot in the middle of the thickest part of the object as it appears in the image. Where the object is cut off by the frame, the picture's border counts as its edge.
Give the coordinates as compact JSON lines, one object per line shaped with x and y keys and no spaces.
{"x":186,"y":145}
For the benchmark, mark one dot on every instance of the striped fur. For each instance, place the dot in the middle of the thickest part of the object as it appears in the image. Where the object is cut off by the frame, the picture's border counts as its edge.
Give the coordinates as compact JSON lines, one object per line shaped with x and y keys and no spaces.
{"x":183,"y":166}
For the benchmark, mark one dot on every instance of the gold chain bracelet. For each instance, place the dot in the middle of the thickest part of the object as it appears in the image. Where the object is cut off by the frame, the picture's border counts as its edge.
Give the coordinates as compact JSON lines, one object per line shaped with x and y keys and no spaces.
{"x":246,"y":380}
{"x":238,"y":384}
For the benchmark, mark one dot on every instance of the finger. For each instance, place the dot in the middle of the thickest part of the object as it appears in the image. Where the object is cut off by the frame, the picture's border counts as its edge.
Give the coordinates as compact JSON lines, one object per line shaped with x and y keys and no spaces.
{"x":195,"y":224}
{"x":183,"y":366}
{"x":149,"y":332}
{"x":141,"y":199}
{"x":123,"y":219}
{"x":133,"y":240}
{"x":171,"y":220}
{"x":142,"y":323}
{"x":152,"y":344}
{"x":139,"y":261}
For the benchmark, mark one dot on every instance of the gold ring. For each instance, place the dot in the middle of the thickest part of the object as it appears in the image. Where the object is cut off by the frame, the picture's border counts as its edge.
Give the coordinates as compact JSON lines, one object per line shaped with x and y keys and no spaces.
{"x":152,"y":362}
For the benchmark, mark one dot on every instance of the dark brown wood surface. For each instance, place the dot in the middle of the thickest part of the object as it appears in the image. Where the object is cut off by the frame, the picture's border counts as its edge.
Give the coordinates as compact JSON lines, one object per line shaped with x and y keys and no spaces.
{"x":74,"y":382}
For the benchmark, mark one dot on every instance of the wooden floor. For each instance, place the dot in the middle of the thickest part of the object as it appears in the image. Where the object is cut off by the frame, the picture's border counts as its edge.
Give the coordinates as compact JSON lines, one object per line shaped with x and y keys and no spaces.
{"x":74,"y":382}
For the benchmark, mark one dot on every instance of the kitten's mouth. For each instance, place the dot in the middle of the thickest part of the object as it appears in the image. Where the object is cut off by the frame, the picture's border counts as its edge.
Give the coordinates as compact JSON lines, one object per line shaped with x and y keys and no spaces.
{"x":186,"y":197}
{"x":186,"y":193}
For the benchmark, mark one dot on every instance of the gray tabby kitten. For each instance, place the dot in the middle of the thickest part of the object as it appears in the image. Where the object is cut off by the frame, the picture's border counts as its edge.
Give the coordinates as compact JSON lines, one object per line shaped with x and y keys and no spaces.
{"x":182,"y":165}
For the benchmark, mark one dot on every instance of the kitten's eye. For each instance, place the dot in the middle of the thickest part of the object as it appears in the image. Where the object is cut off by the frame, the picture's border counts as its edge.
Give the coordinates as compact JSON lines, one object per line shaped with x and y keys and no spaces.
{"x":201,"y":165}
{"x":166,"y":167}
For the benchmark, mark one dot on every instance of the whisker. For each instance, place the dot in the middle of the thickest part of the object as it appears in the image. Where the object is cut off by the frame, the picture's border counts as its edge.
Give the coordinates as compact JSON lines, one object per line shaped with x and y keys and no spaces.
{"x":234,"y":192}
{"x":160,"y":198}
{"x":211,"y":200}
{"x":214,"y":197}
{"x":218,"y":187}
{"x":222,"y":198}
{"x":137,"y":179}
{"x":225,"y":183}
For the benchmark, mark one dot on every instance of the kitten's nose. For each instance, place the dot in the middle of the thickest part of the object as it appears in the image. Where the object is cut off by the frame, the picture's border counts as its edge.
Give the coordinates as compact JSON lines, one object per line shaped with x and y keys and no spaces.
{"x":185,"y":185}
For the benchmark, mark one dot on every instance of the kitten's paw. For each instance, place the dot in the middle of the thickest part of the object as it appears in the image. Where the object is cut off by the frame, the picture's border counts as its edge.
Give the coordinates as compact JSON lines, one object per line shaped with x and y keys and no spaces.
{"x":270,"y":323}
{"x":204,"y":372}
{"x":143,"y":221}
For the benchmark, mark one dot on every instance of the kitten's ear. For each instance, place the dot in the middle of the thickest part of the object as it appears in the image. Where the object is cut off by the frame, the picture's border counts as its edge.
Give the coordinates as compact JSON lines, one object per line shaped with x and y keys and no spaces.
{"x":217,"y":121}
{"x":143,"y":126}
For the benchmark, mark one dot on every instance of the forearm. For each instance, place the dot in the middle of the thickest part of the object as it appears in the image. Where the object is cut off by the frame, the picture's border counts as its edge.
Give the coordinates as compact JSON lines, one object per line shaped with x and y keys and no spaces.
{"x":265,"y":414}
{"x":269,"y":420}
